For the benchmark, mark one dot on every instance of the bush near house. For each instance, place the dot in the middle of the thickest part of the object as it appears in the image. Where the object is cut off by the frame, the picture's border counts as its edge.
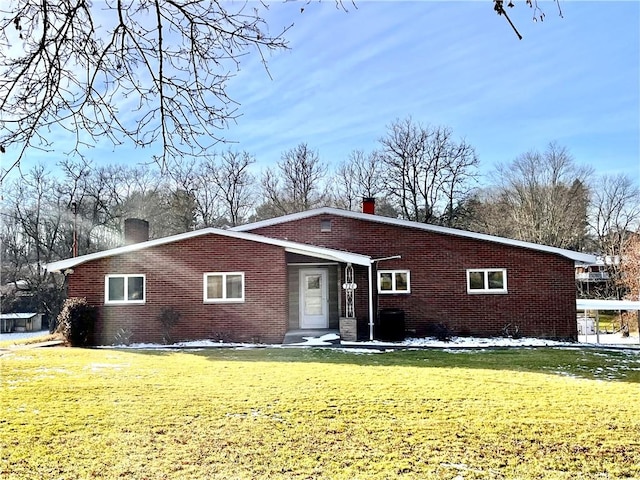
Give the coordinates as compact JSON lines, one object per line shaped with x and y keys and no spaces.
{"x":76,"y":322}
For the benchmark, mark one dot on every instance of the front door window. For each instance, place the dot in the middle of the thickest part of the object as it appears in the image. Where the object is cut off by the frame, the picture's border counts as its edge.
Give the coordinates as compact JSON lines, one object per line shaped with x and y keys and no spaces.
{"x":313,"y":295}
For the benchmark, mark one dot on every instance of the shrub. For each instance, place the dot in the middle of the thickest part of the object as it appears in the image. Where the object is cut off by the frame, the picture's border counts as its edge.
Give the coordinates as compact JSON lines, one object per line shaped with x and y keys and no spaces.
{"x":168,"y":317}
{"x":220,"y":337}
{"x":123,"y":337}
{"x":442,"y":332}
{"x":511,"y":331}
{"x":76,"y":322}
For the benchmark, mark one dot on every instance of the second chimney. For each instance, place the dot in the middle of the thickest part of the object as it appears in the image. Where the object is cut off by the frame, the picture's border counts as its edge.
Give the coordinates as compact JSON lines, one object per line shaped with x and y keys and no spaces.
{"x":369,"y":205}
{"x":135,"y":231}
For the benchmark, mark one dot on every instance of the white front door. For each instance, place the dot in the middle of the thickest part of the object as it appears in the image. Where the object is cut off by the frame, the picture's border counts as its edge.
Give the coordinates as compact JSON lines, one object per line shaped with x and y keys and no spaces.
{"x":314,"y":311}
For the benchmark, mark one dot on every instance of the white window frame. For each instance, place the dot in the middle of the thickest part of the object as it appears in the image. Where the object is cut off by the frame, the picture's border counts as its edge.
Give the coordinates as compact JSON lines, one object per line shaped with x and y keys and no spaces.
{"x":224,"y":298}
{"x":394,"y":289}
{"x":325,"y":225}
{"x":487,"y":289}
{"x":126,"y":278}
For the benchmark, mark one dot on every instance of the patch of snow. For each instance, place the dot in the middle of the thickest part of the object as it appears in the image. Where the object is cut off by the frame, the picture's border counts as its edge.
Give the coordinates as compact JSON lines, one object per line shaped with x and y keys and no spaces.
{"x":376,"y":346}
{"x":360,"y":351}
{"x":195,"y":344}
{"x":23,"y":335}
{"x":465,"y":342}
{"x":326,"y":340}
{"x":609,"y":339}
{"x":318,"y":341}
{"x":96,"y":367}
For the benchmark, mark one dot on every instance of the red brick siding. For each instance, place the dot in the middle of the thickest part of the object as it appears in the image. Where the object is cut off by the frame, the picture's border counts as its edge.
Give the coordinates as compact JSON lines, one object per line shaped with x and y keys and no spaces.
{"x":541,"y":287}
{"x":174,"y":278}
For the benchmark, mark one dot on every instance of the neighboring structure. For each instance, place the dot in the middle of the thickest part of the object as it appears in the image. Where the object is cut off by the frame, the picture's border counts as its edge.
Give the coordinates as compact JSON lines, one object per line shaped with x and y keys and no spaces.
{"x":324,"y":269}
{"x":20,"y":322}
{"x":592,"y":279}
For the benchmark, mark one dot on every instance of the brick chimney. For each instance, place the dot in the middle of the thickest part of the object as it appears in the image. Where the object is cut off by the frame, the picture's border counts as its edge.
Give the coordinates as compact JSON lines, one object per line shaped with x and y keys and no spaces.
{"x":369,"y":205}
{"x":135,"y":231}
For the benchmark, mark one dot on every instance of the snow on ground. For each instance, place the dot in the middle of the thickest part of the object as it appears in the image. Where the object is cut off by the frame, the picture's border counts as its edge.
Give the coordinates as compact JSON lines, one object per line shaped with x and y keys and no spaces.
{"x":610,"y":339}
{"x":22,"y":335}
{"x":429,"y":342}
{"x":318,"y":341}
{"x":616,"y":340}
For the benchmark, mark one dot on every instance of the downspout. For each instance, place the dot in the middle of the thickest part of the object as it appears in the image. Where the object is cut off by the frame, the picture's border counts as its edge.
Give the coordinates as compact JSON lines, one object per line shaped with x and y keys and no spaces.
{"x":370,"y":302}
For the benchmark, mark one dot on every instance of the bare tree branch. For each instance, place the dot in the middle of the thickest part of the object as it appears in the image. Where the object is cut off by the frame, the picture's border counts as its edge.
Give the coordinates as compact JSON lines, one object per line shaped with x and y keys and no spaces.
{"x":151,"y":73}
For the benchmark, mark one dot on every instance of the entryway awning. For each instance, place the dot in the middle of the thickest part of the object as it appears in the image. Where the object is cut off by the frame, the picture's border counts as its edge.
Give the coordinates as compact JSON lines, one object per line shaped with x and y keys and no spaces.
{"x":597,"y":304}
{"x":330,"y":254}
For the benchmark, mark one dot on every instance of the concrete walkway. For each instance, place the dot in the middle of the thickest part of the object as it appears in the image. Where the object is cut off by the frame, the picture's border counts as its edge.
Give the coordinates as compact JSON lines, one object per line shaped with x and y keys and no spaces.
{"x":303,"y":335}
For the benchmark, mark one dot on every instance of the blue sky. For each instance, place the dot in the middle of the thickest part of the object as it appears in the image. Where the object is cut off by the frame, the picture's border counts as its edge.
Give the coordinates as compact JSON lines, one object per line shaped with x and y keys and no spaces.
{"x":574,"y":80}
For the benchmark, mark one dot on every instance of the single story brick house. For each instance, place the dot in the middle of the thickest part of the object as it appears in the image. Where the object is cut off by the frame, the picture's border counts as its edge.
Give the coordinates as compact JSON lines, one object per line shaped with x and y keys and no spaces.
{"x":328,"y":269}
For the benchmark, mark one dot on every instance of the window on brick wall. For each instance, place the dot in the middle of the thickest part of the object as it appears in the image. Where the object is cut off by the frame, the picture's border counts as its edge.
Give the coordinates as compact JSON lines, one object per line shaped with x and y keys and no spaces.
{"x":487,"y":280}
{"x":325,"y":225}
{"x":124,"y":289}
{"x":224,"y":287}
{"x":394,"y":281}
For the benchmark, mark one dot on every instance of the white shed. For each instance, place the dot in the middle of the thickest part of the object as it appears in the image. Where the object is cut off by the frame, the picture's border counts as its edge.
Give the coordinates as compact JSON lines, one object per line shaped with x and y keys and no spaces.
{"x":20,"y":322}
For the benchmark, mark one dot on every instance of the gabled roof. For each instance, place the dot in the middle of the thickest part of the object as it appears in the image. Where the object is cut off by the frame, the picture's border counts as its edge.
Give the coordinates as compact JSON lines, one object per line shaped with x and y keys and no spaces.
{"x":292,"y":247}
{"x":570,"y":254}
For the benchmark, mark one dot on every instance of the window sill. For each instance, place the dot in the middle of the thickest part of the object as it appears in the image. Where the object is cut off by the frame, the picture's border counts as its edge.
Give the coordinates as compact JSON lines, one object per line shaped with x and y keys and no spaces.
{"x":225,"y":300}
{"x":126,"y":303}
{"x":487,"y":292}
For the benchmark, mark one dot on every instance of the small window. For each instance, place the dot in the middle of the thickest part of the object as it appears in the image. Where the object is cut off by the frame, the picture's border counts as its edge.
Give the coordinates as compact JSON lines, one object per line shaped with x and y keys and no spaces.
{"x":325,"y":225}
{"x":491,"y":280}
{"x":224,"y":287}
{"x":124,"y":289}
{"x":393,"y":281}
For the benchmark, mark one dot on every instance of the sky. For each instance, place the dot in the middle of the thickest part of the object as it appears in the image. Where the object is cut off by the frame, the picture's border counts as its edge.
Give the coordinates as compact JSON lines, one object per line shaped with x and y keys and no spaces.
{"x":348,"y":75}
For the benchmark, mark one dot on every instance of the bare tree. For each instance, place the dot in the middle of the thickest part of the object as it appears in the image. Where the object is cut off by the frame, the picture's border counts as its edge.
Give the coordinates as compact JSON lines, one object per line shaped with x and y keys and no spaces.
{"x":195,"y":179}
{"x":93,"y":193}
{"x":152,"y":73}
{"x":361,"y":175}
{"x":221,"y":186}
{"x":235,"y":184}
{"x":614,"y":215}
{"x":544,"y":197}
{"x":34,"y":232}
{"x":296,"y":183}
{"x":614,"y":212}
{"x":427,"y":172}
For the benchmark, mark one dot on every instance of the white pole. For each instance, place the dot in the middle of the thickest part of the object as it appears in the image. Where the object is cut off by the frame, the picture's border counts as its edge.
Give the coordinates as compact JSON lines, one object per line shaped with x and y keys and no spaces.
{"x":370,"y":304}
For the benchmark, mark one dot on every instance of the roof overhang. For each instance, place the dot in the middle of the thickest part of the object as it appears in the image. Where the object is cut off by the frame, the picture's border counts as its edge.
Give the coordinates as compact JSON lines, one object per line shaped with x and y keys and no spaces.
{"x":596,"y":304}
{"x":63,"y":266}
{"x":332,"y":255}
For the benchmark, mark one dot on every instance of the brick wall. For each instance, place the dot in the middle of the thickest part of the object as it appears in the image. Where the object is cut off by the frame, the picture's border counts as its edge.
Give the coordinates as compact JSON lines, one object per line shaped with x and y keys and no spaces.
{"x":541,"y":286}
{"x":174,"y":278}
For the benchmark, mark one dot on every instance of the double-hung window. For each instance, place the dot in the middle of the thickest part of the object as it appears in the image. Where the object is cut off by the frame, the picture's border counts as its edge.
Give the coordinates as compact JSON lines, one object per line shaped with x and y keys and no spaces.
{"x":124,"y":289}
{"x":224,"y":287}
{"x":394,"y":281}
{"x":487,"y":280}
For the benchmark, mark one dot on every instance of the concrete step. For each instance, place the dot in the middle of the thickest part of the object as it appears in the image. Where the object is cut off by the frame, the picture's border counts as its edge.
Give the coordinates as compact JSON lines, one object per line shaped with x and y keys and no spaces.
{"x":311,"y":337}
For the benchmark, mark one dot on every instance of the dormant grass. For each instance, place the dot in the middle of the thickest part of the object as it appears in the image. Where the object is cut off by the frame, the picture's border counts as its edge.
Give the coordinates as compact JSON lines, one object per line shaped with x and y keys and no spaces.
{"x":289,"y":413}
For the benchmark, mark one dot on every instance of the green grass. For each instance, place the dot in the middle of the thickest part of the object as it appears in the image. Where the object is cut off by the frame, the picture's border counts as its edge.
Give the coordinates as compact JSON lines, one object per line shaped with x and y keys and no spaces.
{"x":288,"y":413}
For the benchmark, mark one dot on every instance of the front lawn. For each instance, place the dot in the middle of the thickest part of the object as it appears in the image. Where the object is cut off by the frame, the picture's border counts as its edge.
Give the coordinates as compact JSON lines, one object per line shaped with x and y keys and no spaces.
{"x":72,"y":413}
